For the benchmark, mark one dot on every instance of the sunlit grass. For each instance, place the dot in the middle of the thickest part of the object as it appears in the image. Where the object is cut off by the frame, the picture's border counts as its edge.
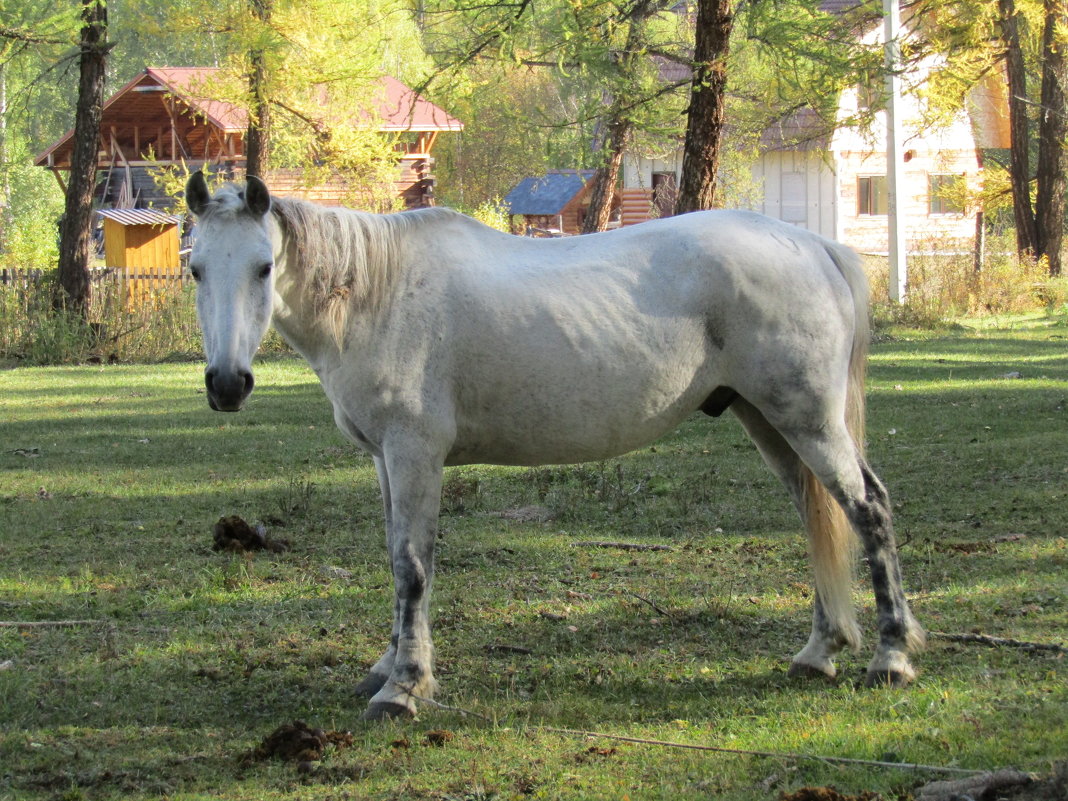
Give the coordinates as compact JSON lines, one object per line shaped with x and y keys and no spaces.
{"x":197,"y":655}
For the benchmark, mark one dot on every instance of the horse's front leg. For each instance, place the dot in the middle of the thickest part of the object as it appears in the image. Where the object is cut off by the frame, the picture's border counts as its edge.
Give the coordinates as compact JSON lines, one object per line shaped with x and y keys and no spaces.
{"x":379,"y":673}
{"x":414,"y":476}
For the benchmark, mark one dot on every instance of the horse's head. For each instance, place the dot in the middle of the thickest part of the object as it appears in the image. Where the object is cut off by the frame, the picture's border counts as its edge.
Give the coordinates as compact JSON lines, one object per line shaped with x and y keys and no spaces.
{"x":232,"y":262}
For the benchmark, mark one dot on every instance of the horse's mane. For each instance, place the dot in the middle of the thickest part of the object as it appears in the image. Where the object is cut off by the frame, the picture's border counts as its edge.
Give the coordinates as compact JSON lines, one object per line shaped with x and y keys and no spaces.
{"x":347,"y":260}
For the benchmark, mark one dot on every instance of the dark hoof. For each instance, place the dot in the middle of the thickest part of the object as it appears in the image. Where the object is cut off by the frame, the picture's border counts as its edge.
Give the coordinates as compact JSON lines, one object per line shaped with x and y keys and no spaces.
{"x":371,"y":685}
{"x":887,"y":678}
{"x":387,"y":711}
{"x":799,"y":670}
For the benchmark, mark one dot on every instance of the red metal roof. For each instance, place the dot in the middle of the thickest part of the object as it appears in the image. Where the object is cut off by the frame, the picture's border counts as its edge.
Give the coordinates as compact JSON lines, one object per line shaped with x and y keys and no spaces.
{"x":403,"y":109}
{"x":193,"y":86}
{"x":399,"y":107}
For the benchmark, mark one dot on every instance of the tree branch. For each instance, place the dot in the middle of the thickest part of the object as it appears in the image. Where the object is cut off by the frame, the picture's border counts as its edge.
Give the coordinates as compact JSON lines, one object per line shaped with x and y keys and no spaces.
{"x":20,"y":35}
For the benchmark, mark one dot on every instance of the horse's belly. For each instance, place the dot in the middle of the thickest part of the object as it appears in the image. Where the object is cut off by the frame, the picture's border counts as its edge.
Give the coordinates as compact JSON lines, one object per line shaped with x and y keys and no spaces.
{"x":562,"y":433}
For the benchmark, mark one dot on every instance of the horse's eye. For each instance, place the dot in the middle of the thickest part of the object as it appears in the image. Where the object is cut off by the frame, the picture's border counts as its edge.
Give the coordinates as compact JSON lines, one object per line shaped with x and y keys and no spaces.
{"x":195,"y":272}
{"x":265,"y":271}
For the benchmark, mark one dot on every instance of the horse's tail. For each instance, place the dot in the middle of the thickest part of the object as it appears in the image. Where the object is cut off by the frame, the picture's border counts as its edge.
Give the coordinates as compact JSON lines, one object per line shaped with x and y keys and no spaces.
{"x":832,"y":541}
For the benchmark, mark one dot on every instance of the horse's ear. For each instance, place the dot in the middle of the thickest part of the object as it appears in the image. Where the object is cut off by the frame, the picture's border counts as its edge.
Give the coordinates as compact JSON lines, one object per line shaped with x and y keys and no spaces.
{"x":257,"y":196}
{"x":197,"y":195}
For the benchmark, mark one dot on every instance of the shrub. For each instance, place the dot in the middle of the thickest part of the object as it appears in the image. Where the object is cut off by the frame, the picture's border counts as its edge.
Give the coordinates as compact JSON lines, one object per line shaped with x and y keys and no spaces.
{"x":493,"y":213}
{"x":944,"y":285}
{"x":153,"y":325}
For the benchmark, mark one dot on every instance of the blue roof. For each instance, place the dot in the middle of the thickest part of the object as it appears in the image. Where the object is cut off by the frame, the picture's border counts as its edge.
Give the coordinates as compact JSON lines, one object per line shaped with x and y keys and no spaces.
{"x":546,"y":194}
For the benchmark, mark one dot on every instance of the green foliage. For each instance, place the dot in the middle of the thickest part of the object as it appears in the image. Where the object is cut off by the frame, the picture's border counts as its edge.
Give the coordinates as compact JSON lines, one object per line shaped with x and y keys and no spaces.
{"x":515,"y":126}
{"x":493,"y":213}
{"x":967,"y":36}
{"x":124,"y":325}
{"x":34,"y":205}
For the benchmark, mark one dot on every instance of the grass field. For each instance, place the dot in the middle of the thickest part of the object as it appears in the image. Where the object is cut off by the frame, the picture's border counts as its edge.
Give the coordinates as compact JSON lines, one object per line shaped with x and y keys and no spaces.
{"x":179,"y":660}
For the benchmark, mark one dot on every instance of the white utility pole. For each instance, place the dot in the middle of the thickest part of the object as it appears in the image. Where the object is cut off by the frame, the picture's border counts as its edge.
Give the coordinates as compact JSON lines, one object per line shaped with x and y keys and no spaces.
{"x":895,"y":156}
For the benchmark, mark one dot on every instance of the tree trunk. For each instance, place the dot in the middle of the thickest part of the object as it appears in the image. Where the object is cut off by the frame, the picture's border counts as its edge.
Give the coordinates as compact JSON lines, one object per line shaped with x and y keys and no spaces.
{"x":619,"y":123}
{"x":599,"y":213}
{"x":76,"y":228}
{"x":1019,"y":163}
{"x":258,"y":136}
{"x":1052,"y":128}
{"x":704,"y":119}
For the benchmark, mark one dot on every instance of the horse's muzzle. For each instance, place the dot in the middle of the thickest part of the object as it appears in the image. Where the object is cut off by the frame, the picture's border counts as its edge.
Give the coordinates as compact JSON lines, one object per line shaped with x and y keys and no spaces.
{"x":227,"y":390}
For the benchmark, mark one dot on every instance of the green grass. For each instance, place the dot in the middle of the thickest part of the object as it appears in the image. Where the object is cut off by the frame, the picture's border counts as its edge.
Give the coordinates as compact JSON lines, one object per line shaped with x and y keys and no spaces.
{"x":112,"y":478}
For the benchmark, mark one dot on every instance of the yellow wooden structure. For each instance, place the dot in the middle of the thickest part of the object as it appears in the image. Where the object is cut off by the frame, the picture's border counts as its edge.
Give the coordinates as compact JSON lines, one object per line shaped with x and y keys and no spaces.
{"x":142,"y":245}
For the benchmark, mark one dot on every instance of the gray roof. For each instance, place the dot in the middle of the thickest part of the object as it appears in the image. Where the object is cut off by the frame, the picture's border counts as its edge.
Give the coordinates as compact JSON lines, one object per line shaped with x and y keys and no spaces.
{"x":546,"y":194}
{"x":138,"y":216}
{"x":802,"y":129}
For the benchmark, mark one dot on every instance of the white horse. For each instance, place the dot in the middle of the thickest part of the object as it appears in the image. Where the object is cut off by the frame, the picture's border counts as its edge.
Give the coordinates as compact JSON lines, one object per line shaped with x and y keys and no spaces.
{"x":440,"y":341}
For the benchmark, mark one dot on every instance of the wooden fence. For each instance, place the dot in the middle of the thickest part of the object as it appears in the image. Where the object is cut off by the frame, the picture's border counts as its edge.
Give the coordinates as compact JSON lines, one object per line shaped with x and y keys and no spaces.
{"x":135,"y":286}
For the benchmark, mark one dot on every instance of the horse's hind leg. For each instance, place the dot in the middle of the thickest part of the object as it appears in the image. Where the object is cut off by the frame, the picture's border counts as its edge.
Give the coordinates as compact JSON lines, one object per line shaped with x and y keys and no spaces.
{"x":899,"y":633}
{"x":831,"y":455}
{"x":833,"y":625}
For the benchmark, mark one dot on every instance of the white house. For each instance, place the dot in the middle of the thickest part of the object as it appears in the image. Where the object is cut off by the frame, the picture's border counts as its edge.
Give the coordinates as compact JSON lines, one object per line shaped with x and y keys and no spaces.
{"x":834,"y":182}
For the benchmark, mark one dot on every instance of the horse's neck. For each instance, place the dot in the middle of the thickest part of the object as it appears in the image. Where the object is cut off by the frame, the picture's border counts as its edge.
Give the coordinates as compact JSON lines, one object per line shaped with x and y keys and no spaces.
{"x":294,"y":315}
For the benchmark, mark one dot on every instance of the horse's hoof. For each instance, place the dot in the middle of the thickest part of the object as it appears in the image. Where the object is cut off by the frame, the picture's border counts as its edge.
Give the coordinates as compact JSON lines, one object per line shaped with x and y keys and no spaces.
{"x":371,"y":685}
{"x":889,"y":678}
{"x":387,"y":710}
{"x":803,"y":670}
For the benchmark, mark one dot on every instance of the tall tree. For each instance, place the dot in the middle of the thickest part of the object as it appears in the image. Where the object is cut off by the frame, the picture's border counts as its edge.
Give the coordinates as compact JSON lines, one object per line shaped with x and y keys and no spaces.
{"x":75,"y":237}
{"x":707,"y":112}
{"x":307,"y":71}
{"x":1052,"y":129}
{"x":1039,"y":225}
{"x":623,"y":109}
{"x":600,"y":53}
{"x":258,"y":136}
{"x":1019,"y":144}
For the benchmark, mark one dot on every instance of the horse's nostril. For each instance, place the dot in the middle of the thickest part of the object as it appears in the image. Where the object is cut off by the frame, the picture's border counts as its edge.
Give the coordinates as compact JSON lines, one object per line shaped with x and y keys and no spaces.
{"x":227,"y":390}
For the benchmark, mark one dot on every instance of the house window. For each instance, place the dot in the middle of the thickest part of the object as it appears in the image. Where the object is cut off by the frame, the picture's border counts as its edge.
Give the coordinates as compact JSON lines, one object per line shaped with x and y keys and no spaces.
{"x":871,"y":93}
{"x":794,"y":198}
{"x":942,"y":199}
{"x":871,"y":194}
{"x":665,"y":191}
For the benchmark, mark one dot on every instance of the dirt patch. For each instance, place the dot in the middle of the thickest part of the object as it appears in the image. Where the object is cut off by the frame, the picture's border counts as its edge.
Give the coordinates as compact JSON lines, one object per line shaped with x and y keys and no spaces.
{"x":298,"y":742}
{"x":233,"y":534}
{"x":438,"y":737}
{"x":826,"y":794}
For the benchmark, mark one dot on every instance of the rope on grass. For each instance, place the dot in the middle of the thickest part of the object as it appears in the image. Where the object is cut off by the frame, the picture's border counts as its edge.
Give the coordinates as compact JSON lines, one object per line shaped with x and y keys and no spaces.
{"x":833,"y":760}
